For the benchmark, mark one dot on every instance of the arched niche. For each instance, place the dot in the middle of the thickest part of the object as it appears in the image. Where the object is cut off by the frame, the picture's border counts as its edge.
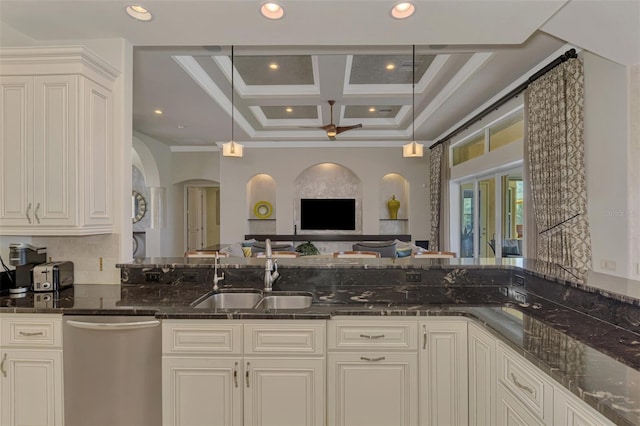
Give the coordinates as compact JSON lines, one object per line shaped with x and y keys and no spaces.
{"x":261,"y":204}
{"x":328,"y":180}
{"x":394,"y":184}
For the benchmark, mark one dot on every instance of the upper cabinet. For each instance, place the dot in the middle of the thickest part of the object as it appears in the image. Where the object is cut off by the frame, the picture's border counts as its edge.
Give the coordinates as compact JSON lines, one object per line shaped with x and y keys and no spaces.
{"x":56,"y":112}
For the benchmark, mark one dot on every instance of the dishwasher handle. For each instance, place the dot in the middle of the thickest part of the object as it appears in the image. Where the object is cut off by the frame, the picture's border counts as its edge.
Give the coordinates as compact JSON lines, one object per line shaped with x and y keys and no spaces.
{"x":113,"y":326}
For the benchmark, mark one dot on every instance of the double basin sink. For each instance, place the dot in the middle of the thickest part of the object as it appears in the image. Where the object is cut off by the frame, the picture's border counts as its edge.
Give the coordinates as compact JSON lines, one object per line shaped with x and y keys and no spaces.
{"x":254,"y":299}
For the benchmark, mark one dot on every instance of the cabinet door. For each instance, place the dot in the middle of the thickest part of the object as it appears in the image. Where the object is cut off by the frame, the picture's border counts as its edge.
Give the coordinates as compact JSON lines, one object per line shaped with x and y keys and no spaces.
{"x":569,"y":410}
{"x":281,"y":392}
{"x":511,"y":412}
{"x":376,"y":388}
{"x":55,"y":147}
{"x":443,"y":373}
{"x":31,"y":387}
{"x":200,"y":391}
{"x":482,"y":377}
{"x":96,"y":155}
{"x":16,"y":151}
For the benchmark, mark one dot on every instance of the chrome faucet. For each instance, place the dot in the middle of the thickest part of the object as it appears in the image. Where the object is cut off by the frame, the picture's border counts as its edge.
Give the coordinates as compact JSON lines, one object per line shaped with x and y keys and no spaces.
{"x":270,"y":267}
{"x":216,"y":277}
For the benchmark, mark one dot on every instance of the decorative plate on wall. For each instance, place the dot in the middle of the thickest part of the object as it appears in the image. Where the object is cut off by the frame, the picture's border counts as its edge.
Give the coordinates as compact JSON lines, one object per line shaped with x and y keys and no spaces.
{"x":263,"y":209}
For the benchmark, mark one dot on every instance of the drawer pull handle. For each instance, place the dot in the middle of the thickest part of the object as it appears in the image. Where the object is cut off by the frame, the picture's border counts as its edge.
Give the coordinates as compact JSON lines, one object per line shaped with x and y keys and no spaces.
{"x":30,"y":334}
{"x":35,"y":213}
{"x":424,"y":337}
{"x":4,"y":358}
{"x":364,"y":358}
{"x":368,"y":336}
{"x":520,"y":385}
{"x":235,"y":374}
{"x":246,"y":375}
{"x":27,"y":213}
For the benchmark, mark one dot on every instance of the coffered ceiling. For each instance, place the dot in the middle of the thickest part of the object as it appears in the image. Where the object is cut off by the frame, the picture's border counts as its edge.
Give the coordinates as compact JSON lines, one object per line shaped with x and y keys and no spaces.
{"x":466,"y":52}
{"x":281,"y":93}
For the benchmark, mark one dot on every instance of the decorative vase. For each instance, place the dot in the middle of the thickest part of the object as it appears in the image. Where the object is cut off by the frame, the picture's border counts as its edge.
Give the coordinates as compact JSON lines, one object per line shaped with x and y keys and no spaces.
{"x":393,"y":205}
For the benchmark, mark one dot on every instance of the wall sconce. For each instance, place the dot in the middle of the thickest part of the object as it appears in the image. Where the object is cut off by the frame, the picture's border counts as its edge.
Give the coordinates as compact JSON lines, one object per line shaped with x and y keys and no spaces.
{"x":232,"y":149}
{"x":413,"y":149}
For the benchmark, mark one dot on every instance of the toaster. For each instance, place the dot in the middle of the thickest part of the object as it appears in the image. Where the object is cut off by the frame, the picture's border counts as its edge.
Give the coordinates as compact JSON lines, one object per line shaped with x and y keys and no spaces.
{"x":52,"y":276}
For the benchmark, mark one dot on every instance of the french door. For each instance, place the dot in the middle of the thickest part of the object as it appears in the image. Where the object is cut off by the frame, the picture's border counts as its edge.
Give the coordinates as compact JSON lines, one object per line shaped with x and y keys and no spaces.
{"x":490,"y":216}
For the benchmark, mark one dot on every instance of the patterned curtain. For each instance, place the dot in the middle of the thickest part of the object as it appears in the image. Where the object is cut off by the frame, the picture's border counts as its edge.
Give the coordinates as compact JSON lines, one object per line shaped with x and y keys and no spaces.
{"x":435,"y":199}
{"x":557,"y":172}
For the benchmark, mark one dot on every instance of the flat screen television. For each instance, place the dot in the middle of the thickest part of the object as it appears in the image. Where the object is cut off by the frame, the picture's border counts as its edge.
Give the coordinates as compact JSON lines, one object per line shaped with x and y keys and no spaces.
{"x":338,"y":214}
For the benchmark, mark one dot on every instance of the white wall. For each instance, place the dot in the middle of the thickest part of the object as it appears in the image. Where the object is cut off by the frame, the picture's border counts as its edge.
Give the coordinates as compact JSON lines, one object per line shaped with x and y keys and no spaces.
{"x":285,"y":164}
{"x":607,"y":141}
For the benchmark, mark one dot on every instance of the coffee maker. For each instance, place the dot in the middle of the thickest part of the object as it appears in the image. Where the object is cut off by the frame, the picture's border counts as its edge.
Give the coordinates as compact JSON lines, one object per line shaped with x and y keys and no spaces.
{"x":24,"y":257}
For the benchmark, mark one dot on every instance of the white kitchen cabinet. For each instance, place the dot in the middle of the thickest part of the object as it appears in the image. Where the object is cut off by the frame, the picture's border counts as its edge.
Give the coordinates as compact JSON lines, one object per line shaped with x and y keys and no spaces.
{"x":258,"y":373}
{"x":443,"y":372}
{"x":372,"y":388}
{"x":482,"y":376}
{"x":31,"y":390}
{"x":511,"y":412}
{"x":280,"y":392}
{"x":202,"y":391}
{"x":530,"y":386}
{"x":56,"y":143}
{"x":372,"y":367}
{"x":569,"y":410}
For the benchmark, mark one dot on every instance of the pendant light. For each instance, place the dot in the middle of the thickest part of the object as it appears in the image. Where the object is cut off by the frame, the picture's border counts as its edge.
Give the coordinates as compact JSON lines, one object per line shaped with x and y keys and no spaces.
{"x":231,"y":148}
{"x":413,"y":149}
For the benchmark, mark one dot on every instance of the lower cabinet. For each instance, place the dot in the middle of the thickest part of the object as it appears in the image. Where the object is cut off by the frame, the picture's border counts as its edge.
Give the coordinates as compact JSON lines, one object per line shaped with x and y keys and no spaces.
{"x":443,"y":372}
{"x":31,"y":370}
{"x":373,"y":372}
{"x":482,"y":376}
{"x":512,"y":412}
{"x":372,"y":388}
{"x":213,"y":375}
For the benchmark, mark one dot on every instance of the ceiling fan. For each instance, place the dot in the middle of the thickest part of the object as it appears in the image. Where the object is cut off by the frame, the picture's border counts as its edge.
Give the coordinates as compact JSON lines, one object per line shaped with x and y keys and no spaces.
{"x":333,"y":130}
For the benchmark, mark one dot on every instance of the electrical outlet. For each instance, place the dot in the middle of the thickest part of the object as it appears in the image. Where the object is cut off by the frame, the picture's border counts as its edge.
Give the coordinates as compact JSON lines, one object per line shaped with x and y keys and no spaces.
{"x":609,"y":265}
{"x":190,"y":277}
{"x":519,"y":297}
{"x":152,"y":277}
{"x":413,"y":277}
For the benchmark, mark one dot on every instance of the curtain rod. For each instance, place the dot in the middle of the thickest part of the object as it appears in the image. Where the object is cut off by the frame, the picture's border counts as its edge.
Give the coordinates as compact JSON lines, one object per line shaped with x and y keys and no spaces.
{"x":569,"y":54}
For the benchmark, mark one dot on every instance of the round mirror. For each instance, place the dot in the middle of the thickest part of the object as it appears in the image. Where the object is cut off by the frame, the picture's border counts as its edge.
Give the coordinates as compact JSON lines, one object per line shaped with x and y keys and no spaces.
{"x":139,"y":206}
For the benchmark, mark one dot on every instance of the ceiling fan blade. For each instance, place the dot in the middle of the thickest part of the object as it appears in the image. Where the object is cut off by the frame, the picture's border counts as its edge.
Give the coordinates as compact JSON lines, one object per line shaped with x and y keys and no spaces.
{"x":329,"y":127}
{"x":341,"y":129}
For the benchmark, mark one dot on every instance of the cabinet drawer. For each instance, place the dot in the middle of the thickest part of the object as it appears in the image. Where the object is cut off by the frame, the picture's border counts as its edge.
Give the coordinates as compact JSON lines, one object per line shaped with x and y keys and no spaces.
{"x":290,"y":337}
{"x":32,"y":331}
{"x":525,"y":383}
{"x":185,"y":336}
{"x":372,"y":335}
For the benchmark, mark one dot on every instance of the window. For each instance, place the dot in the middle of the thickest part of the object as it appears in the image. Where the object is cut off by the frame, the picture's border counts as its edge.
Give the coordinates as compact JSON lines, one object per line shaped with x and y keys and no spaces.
{"x":500,"y":133}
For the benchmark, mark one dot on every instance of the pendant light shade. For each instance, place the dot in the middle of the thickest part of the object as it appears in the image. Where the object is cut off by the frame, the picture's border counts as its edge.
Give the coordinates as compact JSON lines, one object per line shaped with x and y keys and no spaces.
{"x":413,"y":149}
{"x":231,"y":148}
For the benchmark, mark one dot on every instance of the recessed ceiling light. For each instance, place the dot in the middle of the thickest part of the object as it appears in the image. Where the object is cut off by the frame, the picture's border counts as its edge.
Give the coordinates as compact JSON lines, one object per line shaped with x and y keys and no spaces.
{"x":391,"y":67}
{"x":181,"y":126}
{"x":271,"y":10}
{"x":139,"y":13}
{"x":372,"y":109}
{"x":289,"y":109}
{"x":157,"y":111}
{"x":274,"y":66}
{"x":403,"y":10}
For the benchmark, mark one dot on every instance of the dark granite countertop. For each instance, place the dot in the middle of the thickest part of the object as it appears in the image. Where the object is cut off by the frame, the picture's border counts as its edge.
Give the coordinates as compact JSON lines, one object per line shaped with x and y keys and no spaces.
{"x":587,"y":342}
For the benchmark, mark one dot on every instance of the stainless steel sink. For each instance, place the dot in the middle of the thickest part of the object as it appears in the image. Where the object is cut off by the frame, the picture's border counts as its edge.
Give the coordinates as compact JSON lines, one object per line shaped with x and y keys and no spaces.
{"x":285,"y":300}
{"x":254,"y":299}
{"x":229,"y":299}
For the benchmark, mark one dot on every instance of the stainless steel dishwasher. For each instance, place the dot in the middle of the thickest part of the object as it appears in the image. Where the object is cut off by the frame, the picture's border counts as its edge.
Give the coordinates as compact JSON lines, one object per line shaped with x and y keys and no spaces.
{"x":112,"y":370}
